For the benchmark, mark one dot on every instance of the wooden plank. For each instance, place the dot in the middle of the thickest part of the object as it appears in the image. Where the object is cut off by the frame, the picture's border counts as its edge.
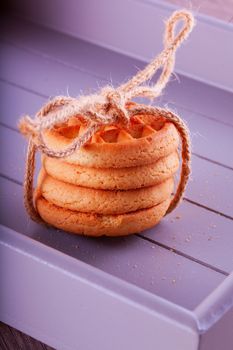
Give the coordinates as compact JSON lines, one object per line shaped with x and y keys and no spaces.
{"x":43,"y":76}
{"x":201,"y":232}
{"x":219,"y":335}
{"x":226,"y":264}
{"x":49,"y":78}
{"x":206,"y":135}
{"x":211,"y":186}
{"x":51,"y":291}
{"x":141,"y":41}
{"x":205,"y":132}
{"x":16,"y":102}
{"x":196,"y":232}
{"x":139,"y":262}
{"x":207,"y":186}
{"x":203,"y":99}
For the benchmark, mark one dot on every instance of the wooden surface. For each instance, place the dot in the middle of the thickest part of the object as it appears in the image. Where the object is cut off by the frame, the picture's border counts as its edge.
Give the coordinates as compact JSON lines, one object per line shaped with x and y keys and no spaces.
{"x":190,"y":252}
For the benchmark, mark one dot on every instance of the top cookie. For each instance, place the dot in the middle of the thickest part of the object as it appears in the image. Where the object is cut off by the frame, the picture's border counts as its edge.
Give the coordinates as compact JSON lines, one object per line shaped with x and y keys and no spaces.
{"x":145,"y":140}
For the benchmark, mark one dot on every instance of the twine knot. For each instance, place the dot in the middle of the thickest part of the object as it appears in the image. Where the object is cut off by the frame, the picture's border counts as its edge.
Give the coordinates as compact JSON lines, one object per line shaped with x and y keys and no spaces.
{"x":110,"y":107}
{"x":116,"y":105}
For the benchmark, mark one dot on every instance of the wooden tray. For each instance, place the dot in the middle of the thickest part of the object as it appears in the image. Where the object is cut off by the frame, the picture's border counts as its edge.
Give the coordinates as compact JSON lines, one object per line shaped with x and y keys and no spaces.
{"x":168,"y":288}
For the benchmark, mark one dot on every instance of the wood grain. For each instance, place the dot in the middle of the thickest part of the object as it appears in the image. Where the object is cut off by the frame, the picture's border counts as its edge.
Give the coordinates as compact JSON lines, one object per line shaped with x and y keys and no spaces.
{"x":12,"y":339}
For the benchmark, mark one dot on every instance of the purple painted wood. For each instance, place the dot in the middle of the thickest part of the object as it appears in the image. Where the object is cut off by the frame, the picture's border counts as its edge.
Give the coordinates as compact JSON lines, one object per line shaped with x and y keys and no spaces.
{"x":14,"y":167}
{"x":215,"y":317}
{"x":139,"y":40}
{"x":49,"y":78}
{"x":202,"y":98}
{"x":43,"y":76}
{"x":205,"y":187}
{"x":9,"y":113}
{"x":14,"y":100}
{"x":25,"y":102}
{"x":208,"y":231}
{"x":60,"y":300}
{"x":202,"y":239}
{"x":139,"y":262}
{"x":204,"y":131}
{"x":206,"y":135}
{"x":213,"y":339}
{"x":199,"y":233}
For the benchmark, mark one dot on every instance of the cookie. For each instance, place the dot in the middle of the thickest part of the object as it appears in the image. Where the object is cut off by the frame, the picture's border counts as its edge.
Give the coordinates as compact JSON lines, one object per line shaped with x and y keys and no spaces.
{"x":143,"y":142}
{"x":89,"y":200}
{"x":113,"y":178}
{"x":93,"y":224}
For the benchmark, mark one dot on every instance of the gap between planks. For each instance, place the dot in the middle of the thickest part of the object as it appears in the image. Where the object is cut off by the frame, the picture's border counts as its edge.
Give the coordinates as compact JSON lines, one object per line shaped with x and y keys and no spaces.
{"x":47,"y":97}
{"x":185,"y":198}
{"x":51,"y":58}
{"x":178,"y":252}
{"x":174,"y":250}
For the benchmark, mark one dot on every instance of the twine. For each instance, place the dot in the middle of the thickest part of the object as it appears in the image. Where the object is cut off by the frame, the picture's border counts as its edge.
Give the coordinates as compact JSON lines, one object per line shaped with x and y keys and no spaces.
{"x":110,"y":107}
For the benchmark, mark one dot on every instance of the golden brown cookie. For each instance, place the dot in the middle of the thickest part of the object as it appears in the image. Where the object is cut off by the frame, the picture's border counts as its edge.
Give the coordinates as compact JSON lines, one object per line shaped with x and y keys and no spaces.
{"x":89,"y":200}
{"x":144,"y":141}
{"x":98,"y":225}
{"x":113,"y":178}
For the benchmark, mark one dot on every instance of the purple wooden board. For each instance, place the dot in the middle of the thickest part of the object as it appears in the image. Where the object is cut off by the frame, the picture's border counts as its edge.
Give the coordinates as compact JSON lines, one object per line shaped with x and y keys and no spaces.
{"x":49,"y":78}
{"x":176,"y":234}
{"x":211,"y":185}
{"x":201,"y":98}
{"x":199,"y":233}
{"x":139,"y":262}
{"x":142,"y":263}
{"x":60,"y":300}
{"x":207,"y":186}
{"x":204,"y":132}
{"x":31,"y":71}
{"x":13,"y":101}
{"x":220,"y":335}
{"x":210,"y":138}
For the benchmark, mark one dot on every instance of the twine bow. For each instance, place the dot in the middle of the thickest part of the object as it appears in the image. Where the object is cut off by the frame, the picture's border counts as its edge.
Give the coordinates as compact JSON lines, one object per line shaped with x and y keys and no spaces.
{"x":109,"y":107}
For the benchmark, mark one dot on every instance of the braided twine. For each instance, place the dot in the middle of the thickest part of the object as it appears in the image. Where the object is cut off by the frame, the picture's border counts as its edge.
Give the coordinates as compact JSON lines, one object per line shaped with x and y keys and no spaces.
{"x":109,"y":107}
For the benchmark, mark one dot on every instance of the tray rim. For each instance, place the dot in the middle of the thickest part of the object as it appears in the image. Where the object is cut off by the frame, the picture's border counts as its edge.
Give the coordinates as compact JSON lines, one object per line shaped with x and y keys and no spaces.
{"x":199,"y":320}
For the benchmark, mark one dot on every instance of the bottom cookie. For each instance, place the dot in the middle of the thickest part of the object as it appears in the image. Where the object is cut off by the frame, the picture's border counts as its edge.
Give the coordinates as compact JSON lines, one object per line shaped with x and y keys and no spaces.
{"x":100,"y":225}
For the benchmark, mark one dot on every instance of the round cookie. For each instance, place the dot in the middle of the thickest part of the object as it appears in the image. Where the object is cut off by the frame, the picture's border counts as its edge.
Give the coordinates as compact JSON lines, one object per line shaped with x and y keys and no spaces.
{"x":98,"y":225}
{"x":113,"y":178}
{"x":146,"y":140}
{"x":89,"y":200}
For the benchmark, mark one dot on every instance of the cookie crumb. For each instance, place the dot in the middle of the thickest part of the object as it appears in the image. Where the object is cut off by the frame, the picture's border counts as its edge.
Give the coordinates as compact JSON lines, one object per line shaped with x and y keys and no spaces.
{"x":178,"y":217}
{"x":173,"y":281}
{"x":188,"y":239}
{"x":213,"y":226}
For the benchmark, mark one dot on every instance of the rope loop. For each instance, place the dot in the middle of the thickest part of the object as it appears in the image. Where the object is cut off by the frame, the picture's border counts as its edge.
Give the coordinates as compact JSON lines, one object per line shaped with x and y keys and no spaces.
{"x":109,"y":107}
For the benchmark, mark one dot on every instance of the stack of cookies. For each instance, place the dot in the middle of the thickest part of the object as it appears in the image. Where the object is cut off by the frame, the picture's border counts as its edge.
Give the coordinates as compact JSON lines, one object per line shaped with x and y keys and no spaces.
{"x":119,"y":183}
